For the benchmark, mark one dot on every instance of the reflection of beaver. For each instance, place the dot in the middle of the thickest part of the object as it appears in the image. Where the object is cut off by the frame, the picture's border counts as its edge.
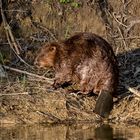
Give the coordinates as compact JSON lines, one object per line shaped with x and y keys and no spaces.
{"x":87,"y":60}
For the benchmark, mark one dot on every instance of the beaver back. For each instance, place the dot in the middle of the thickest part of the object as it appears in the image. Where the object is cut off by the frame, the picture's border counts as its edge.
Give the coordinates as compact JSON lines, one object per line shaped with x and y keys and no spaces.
{"x":85,"y":59}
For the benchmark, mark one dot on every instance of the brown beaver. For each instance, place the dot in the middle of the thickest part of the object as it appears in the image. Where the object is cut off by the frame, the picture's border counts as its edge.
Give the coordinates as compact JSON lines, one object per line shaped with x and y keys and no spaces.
{"x":87,"y":60}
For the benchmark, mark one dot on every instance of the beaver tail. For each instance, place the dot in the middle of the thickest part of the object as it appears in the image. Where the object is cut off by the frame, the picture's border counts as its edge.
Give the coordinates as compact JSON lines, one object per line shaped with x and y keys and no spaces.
{"x":104,"y":104}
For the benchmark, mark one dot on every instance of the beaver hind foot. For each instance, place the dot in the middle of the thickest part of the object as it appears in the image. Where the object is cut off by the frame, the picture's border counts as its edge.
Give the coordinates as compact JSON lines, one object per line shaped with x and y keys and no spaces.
{"x":104,"y":104}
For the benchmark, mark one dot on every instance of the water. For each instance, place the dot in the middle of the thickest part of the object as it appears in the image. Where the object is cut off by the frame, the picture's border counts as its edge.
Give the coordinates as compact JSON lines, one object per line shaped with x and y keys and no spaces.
{"x":69,"y":132}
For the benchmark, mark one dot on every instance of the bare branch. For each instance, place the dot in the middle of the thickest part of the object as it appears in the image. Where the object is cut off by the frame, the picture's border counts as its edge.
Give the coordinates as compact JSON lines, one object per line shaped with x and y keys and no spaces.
{"x":9,"y":33}
{"x":48,"y":80}
{"x":10,"y":37}
{"x":134,"y":91}
{"x":14,"y":94}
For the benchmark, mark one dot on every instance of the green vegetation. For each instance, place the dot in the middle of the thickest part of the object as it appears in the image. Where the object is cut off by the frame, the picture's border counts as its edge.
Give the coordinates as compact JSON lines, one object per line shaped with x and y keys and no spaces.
{"x":71,"y":2}
{"x":65,"y":1}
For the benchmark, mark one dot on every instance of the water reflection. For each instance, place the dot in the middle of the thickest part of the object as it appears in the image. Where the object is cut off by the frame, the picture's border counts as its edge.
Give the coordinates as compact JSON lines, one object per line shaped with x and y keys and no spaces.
{"x":69,"y":132}
{"x":104,"y":132}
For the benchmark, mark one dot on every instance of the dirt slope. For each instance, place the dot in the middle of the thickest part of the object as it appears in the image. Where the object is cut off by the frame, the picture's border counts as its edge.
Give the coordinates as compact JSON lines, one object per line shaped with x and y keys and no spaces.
{"x":37,"y":21}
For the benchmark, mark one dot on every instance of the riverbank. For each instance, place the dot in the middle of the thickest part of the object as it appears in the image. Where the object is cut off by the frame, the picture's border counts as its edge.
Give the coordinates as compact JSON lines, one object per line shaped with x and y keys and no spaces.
{"x":28,"y":99}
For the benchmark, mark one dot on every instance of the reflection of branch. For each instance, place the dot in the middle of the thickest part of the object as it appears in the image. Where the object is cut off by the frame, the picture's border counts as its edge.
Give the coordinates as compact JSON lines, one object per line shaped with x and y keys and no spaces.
{"x":48,"y":80}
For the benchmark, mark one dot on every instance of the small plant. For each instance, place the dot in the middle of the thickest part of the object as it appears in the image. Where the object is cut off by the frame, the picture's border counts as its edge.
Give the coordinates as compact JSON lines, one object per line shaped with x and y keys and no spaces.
{"x":22,"y":80}
{"x":71,"y":2}
{"x":65,"y":1}
{"x":75,"y":4}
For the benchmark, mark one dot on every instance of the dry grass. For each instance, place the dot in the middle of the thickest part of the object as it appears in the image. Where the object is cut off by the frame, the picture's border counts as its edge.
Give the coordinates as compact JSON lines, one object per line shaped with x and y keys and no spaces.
{"x":115,"y":22}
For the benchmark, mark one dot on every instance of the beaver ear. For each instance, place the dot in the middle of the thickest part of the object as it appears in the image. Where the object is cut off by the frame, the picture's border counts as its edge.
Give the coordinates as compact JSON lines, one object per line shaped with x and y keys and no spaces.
{"x":52,"y":48}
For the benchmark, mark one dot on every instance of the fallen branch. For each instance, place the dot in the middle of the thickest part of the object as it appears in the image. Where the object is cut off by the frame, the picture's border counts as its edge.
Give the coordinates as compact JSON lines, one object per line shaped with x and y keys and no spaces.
{"x":48,"y":80}
{"x":9,"y":34}
{"x":134,"y":91}
{"x":10,"y":37}
{"x":131,"y":37}
{"x":11,"y":94}
{"x":51,"y":117}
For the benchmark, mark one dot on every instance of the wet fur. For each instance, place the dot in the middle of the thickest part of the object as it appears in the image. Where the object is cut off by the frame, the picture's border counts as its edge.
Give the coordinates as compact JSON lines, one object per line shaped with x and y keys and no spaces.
{"x":85,"y":59}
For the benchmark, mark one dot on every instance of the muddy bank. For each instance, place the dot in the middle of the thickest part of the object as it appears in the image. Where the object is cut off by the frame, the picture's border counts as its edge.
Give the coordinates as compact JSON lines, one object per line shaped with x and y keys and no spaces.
{"x":36,"y":22}
{"x":61,"y":108}
{"x":52,"y":107}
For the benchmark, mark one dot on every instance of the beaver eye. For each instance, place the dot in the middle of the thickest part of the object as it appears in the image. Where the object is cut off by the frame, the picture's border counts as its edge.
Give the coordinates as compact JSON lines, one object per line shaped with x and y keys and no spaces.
{"x":52,"y":48}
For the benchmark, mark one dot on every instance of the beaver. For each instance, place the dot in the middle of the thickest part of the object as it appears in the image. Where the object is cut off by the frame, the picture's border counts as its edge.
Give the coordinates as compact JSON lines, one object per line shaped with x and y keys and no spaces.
{"x":87,"y":60}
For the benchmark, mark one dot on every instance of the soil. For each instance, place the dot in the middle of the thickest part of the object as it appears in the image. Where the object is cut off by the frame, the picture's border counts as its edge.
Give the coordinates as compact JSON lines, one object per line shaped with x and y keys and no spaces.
{"x":25,"y":99}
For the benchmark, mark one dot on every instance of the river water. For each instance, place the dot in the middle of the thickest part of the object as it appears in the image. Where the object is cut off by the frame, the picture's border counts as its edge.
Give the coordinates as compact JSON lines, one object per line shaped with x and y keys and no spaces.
{"x":69,"y":132}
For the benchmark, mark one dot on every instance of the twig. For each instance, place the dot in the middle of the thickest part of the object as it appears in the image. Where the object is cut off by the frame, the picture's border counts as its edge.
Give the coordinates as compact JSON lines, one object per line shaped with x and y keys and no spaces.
{"x":39,"y":39}
{"x":134,"y":91}
{"x":48,"y":80}
{"x":122,"y":37}
{"x":113,"y":15}
{"x":132,"y":23}
{"x":52,"y":117}
{"x":8,"y":31}
{"x":126,"y":3}
{"x":11,"y":94}
{"x":10,"y":37}
{"x":16,"y":11}
{"x":131,"y":37}
{"x":44,"y":28}
{"x":15,"y":51}
{"x":47,"y":30}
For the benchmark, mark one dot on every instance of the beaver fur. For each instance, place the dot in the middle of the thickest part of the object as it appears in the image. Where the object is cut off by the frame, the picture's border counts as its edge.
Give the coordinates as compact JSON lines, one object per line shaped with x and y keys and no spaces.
{"x":84,"y":59}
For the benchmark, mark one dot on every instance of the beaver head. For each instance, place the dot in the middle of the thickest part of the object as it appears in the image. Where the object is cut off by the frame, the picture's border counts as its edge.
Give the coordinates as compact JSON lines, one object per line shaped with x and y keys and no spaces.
{"x":46,"y":56}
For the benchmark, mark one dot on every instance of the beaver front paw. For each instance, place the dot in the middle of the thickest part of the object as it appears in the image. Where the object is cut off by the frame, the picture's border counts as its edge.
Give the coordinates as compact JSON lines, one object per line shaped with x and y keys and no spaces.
{"x":56,"y":84}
